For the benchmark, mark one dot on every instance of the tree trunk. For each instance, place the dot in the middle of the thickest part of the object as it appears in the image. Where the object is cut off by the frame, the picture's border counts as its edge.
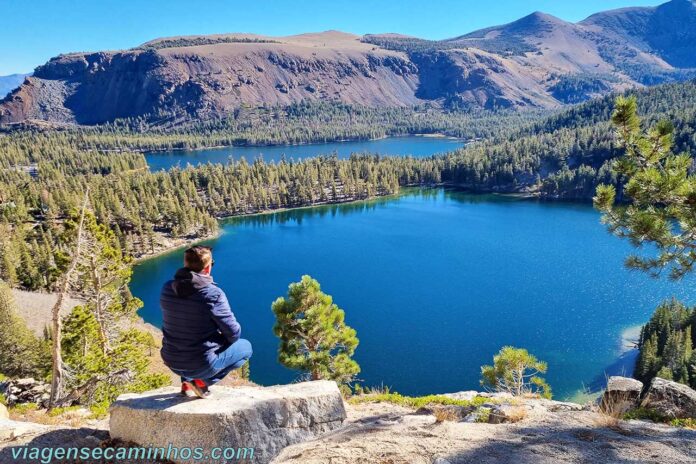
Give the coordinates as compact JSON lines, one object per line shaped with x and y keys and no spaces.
{"x":99,"y":308}
{"x":88,"y":388}
{"x":56,"y":322}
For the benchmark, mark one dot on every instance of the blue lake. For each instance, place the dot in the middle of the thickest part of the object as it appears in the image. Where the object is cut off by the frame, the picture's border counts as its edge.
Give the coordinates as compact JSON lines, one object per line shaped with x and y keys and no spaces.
{"x":418,"y":146}
{"x":435,"y":282}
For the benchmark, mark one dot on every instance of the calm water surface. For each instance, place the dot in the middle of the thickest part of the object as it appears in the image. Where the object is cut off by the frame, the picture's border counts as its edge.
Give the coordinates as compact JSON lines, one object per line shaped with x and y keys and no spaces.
{"x":395,"y":146}
{"x":436,"y":282}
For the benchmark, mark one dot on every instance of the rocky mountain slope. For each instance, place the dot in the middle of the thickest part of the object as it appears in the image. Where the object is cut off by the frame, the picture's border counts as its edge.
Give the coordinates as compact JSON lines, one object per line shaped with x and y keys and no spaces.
{"x":537,"y":61}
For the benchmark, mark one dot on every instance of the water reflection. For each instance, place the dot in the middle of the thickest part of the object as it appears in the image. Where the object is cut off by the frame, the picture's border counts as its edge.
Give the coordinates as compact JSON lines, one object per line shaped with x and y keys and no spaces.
{"x":298,"y":215}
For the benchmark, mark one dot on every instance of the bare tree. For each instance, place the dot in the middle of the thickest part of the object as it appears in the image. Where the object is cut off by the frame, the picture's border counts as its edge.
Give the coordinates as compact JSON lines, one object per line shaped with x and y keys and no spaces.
{"x":56,"y":324}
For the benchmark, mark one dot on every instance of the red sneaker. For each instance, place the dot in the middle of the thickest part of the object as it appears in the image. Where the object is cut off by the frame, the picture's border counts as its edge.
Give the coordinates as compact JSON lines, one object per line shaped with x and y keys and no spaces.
{"x":200,"y":388}
{"x":185,"y":388}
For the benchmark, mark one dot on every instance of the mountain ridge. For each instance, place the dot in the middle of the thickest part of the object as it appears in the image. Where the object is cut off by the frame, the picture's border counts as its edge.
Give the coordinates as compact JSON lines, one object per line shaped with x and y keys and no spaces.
{"x":538,"y":61}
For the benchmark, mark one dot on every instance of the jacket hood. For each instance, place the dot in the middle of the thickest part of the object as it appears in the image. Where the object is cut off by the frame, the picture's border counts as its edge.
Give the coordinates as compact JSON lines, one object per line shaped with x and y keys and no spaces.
{"x":186,"y":282}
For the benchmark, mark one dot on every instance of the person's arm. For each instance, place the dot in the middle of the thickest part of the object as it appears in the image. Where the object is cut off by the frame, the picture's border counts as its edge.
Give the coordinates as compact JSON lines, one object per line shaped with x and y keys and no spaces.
{"x":221,"y":313}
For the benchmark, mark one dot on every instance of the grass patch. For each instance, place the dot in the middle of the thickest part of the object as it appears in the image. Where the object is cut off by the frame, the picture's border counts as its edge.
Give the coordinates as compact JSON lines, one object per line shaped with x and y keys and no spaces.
{"x":483,"y":415}
{"x":24,"y":408}
{"x":645,"y":414}
{"x":689,"y":423}
{"x":55,"y":412}
{"x":416,"y":402}
{"x":100,"y":410}
{"x":516,"y":414}
{"x":445,"y":415}
{"x":654,"y":416}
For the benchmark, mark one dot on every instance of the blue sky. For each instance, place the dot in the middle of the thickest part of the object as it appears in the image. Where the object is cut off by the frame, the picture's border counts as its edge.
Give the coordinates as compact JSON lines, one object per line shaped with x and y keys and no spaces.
{"x":32,"y":31}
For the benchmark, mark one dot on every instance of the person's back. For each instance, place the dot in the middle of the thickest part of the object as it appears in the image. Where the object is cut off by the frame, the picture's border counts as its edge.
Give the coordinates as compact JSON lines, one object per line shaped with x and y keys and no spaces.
{"x":200,"y":334}
{"x":191,"y":306}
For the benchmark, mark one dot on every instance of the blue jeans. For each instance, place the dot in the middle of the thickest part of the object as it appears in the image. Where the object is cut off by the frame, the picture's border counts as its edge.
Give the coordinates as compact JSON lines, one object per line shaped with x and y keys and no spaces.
{"x":226,"y":361}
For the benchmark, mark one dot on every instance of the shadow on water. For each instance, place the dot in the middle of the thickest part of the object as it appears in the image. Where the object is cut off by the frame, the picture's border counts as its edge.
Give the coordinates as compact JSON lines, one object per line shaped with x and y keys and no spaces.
{"x":297,"y":215}
{"x":455,"y":194}
{"x":624,"y":367}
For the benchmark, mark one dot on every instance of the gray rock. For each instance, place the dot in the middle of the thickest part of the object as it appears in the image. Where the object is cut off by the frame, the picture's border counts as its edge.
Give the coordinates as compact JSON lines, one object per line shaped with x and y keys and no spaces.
{"x":265,"y":419}
{"x":671,"y":399}
{"x":559,"y":406}
{"x":624,"y":384}
{"x":497,"y":395}
{"x":622,"y":395}
{"x":13,"y":430}
{"x":4,"y":414}
{"x":463,"y":395}
{"x":27,"y":382}
{"x":25,"y":390}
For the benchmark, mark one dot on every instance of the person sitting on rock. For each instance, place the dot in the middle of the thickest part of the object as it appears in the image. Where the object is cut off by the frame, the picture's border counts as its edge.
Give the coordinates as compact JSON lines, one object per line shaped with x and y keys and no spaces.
{"x":201,"y":337}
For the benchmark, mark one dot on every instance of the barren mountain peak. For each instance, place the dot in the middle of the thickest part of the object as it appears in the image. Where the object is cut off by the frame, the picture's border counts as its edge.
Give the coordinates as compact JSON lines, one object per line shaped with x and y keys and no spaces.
{"x":230,"y":35}
{"x":536,"y":61}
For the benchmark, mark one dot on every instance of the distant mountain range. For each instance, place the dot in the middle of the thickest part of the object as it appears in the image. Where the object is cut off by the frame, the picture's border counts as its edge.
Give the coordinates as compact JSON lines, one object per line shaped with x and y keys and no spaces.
{"x":537,"y":61}
{"x":11,"y":82}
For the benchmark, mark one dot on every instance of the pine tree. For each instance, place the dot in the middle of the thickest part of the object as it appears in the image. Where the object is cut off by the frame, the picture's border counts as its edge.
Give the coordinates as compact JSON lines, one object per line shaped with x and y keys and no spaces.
{"x":687,"y":350}
{"x":313,"y":335}
{"x":22,"y":354}
{"x":661,"y":188}
{"x":103,"y":354}
{"x":8,"y":266}
{"x":98,"y":377}
{"x":648,"y":359}
{"x":692,"y":370}
{"x":673,"y":355}
{"x":665,"y":373}
{"x":516,"y":371}
{"x":666,"y":344}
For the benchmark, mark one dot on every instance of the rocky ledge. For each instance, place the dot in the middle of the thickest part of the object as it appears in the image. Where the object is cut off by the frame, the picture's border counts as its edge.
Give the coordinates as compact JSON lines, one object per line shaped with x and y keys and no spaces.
{"x":544,"y":432}
{"x":309,"y":423}
{"x":266,"y":419}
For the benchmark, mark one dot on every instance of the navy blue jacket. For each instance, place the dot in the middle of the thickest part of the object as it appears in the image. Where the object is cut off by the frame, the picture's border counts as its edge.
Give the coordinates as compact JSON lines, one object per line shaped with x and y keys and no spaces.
{"x":197,"y":322}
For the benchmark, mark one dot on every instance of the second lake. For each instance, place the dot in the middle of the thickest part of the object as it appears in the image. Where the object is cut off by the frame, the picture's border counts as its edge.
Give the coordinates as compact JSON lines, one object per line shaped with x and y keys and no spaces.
{"x":418,"y":146}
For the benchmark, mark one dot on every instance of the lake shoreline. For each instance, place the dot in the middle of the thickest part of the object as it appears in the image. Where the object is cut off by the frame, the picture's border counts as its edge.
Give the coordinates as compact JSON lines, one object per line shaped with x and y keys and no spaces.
{"x":178,"y":244}
{"x":175,"y":244}
{"x":300,"y":144}
{"x":181,"y":243}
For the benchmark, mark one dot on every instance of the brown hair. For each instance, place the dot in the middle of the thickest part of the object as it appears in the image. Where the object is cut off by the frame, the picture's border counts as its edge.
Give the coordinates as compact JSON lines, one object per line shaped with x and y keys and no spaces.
{"x":198,"y":257}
